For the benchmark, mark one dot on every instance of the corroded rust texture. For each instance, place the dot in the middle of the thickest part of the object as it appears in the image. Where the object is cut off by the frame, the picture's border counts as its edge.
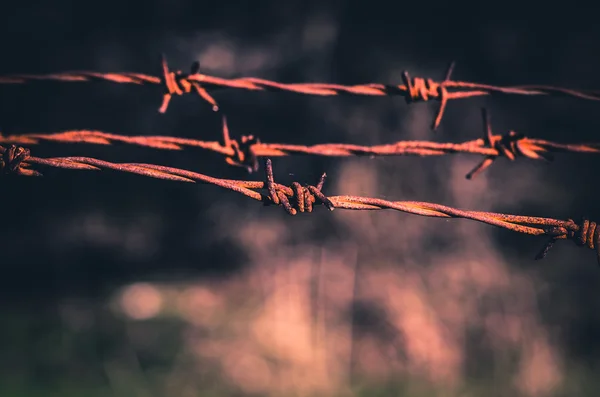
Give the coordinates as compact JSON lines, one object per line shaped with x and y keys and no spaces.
{"x":298,"y":198}
{"x":244,"y":152}
{"x":413,"y":89}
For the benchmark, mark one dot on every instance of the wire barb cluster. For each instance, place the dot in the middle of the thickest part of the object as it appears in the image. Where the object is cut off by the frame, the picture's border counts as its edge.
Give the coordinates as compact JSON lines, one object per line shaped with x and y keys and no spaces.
{"x":305,"y":196}
{"x":297,"y":198}
{"x":509,"y":145}
{"x":244,"y":152}
{"x":414,"y":89}
{"x":177,"y":84}
{"x":586,"y":233}
{"x":12,"y":161}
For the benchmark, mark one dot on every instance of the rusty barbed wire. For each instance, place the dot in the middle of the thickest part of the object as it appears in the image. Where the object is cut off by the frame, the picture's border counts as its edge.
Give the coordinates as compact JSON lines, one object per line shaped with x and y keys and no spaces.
{"x":413,"y":89}
{"x":298,"y":198}
{"x":245,"y":151}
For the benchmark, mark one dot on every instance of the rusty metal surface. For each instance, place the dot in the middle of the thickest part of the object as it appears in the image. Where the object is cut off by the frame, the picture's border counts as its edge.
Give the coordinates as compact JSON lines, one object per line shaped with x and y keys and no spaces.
{"x":413,"y":89}
{"x":245,"y":151}
{"x":298,"y":198}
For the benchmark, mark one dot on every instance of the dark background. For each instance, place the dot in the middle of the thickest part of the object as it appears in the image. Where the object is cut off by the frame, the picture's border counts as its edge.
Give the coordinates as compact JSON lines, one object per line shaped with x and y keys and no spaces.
{"x":159,"y":230}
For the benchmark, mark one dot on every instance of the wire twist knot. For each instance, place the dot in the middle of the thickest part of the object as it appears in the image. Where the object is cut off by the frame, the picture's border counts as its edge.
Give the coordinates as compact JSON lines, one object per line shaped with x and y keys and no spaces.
{"x":509,"y":145}
{"x":12,"y":161}
{"x":178,"y":83}
{"x":584,"y":233}
{"x":419,"y":89}
{"x":303,"y":196}
{"x":243,"y":154}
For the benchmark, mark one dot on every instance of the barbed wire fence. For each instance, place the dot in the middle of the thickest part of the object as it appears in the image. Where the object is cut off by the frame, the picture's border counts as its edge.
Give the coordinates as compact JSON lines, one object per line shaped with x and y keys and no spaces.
{"x":244,"y":152}
{"x":413,"y":89}
{"x":297,"y":198}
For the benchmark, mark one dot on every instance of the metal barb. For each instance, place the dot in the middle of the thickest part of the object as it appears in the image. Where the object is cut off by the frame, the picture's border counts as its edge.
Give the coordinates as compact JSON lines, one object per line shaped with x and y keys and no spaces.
{"x":414,"y":89}
{"x":244,"y":152}
{"x":296,"y":198}
{"x":177,"y":83}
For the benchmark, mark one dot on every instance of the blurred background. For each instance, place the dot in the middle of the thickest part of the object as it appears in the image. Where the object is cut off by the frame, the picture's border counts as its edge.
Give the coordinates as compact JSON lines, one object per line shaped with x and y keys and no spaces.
{"x":120,"y":285}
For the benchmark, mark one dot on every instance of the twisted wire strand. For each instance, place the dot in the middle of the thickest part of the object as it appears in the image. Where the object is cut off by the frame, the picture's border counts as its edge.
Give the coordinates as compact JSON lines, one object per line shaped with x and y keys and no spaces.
{"x":298,"y":198}
{"x":413,"y":89}
{"x":245,"y":152}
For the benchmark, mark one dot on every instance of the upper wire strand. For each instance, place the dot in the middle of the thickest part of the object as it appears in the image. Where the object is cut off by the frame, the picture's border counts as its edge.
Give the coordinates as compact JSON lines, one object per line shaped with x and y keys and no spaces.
{"x":414,"y":89}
